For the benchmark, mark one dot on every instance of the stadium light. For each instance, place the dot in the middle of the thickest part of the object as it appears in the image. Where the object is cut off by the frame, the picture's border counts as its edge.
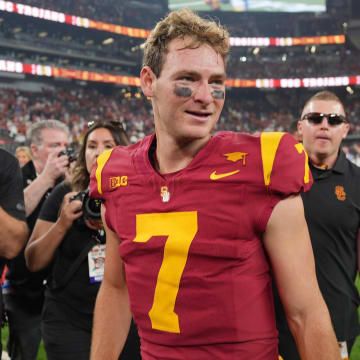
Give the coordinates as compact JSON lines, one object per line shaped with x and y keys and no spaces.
{"x":108,"y":41}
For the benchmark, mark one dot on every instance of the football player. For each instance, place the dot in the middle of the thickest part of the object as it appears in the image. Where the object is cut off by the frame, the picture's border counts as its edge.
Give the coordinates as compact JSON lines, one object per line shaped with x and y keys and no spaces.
{"x":195,"y":222}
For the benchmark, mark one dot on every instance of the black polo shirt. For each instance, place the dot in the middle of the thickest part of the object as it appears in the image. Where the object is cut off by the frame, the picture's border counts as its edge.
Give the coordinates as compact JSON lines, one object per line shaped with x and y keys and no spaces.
{"x":332,"y":212}
{"x":11,"y":192}
{"x":11,"y":197}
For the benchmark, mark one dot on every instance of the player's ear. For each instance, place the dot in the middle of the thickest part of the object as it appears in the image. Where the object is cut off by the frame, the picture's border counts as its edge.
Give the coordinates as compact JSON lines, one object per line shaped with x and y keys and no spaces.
{"x":34,"y":150}
{"x":346,"y":130}
{"x":147,"y":79}
{"x":299,"y":127}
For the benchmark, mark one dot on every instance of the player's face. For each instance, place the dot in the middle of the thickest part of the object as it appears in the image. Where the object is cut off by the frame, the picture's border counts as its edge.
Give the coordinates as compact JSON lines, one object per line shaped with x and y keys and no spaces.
{"x":322,"y":141}
{"x":23,"y":158}
{"x":98,"y":141}
{"x":189,"y":94}
{"x":54,"y":140}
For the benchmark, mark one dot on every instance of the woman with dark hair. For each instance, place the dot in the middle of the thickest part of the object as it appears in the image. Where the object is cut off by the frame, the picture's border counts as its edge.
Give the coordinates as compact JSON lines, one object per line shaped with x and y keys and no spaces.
{"x":70,"y":241}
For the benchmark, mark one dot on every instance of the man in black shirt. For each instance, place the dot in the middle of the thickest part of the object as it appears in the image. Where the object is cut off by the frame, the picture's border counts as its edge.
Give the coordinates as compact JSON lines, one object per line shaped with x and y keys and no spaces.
{"x":332,"y":211}
{"x":13,"y":228}
{"x":23,"y":290}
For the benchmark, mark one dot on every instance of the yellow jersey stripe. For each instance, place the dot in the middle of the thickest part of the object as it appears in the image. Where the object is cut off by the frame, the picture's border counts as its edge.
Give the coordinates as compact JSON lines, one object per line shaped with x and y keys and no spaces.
{"x":269,"y":144}
{"x":101,"y":161}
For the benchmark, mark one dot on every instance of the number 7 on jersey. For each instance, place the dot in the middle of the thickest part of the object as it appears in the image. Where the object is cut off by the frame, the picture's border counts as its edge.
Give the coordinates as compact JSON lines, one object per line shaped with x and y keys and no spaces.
{"x":180,"y":229}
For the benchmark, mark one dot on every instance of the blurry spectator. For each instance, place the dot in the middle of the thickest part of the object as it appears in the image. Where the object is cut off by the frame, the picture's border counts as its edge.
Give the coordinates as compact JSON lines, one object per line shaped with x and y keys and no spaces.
{"x":23,"y":155}
{"x":352,"y":153}
{"x":75,"y":248}
{"x":24,"y":291}
{"x":12,"y":210}
{"x":13,"y":226}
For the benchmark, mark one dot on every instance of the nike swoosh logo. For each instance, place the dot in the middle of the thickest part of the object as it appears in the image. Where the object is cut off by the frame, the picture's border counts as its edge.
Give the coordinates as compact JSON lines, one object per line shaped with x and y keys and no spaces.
{"x":215,"y":176}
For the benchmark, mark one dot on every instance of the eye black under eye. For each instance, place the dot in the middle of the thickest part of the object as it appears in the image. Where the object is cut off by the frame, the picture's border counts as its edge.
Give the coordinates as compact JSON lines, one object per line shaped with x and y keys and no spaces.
{"x":218,"y":94}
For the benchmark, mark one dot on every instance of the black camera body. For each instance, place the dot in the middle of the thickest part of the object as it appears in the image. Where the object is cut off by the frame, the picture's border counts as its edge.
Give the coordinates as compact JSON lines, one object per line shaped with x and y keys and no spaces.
{"x":91,"y":208}
{"x":70,"y":153}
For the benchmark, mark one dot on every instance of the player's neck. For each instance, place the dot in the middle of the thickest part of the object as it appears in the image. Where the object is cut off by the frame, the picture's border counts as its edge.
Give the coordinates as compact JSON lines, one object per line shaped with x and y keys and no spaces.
{"x":173,"y":156}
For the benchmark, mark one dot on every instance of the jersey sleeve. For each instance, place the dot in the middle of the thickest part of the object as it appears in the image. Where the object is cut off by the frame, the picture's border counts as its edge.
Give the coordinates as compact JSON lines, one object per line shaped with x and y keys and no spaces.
{"x":105,"y":179}
{"x":99,"y":177}
{"x":285,"y":164}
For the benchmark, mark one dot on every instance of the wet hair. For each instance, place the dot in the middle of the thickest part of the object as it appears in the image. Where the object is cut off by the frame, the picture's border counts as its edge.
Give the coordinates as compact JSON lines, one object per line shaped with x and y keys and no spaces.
{"x":35,"y":133}
{"x":81,"y":177}
{"x":324,"y":95}
{"x":180,"y":24}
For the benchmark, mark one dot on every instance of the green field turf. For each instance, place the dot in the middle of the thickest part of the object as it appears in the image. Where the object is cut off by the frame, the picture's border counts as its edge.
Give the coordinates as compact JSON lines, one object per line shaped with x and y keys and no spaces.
{"x":355,"y":354}
{"x":255,"y":5}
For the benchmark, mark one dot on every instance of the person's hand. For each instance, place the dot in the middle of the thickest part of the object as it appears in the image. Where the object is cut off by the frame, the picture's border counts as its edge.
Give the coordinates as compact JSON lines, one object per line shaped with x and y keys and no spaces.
{"x":69,"y":172}
{"x":94,"y":224}
{"x":55,"y":166}
{"x":70,"y":211}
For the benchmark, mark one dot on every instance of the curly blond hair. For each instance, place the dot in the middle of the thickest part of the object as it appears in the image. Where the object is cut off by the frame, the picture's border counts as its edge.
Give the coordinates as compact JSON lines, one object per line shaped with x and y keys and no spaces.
{"x":180,"y":24}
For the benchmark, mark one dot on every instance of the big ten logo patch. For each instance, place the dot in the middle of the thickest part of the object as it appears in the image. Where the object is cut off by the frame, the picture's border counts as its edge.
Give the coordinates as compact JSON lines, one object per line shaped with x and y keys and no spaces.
{"x":340,"y":193}
{"x":118,"y":181}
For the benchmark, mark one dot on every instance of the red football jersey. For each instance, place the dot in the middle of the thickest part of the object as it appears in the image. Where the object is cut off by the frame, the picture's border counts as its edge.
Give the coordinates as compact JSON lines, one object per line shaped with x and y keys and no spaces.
{"x":198,"y":278}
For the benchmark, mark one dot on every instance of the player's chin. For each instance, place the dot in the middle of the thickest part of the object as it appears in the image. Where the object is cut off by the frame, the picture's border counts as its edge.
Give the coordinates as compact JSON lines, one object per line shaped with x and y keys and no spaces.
{"x":201,"y":129}
{"x":196,"y":133}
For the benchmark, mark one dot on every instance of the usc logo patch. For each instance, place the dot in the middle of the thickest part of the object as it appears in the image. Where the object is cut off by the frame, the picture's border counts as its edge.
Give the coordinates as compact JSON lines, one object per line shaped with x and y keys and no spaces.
{"x":340,"y":193}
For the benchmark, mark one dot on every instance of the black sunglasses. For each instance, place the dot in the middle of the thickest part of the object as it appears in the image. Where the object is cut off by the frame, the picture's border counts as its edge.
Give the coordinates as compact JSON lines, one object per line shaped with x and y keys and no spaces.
{"x":316,"y":118}
{"x":114,"y":123}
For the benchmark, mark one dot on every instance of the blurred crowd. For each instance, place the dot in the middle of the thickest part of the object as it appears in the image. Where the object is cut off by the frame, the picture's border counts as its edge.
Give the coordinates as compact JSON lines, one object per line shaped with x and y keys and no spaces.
{"x":250,"y":111}
{"x":297,"y":64}
{"x":131,"y":13}
{"x":74,"y":107}
{"x":110,"y":11}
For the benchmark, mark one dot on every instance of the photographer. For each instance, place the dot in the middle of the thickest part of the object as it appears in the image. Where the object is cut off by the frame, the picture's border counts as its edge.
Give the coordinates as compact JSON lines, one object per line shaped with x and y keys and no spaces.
{"x":63,"y":238}
{"x":24,"y":291}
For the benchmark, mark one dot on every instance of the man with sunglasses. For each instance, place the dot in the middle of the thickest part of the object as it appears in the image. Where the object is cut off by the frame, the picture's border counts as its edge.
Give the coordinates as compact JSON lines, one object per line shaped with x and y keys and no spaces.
{"x":333,"y":217}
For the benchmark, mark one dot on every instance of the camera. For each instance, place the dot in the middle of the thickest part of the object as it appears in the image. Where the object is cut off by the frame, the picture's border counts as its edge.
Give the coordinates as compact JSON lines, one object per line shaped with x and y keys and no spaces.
{"x":70,"y":153}
{"x":91,"y":208}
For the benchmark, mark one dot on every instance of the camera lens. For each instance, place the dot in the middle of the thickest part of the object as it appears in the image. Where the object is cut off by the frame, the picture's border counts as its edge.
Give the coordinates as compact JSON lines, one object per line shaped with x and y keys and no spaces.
{"x":91,"y":208}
